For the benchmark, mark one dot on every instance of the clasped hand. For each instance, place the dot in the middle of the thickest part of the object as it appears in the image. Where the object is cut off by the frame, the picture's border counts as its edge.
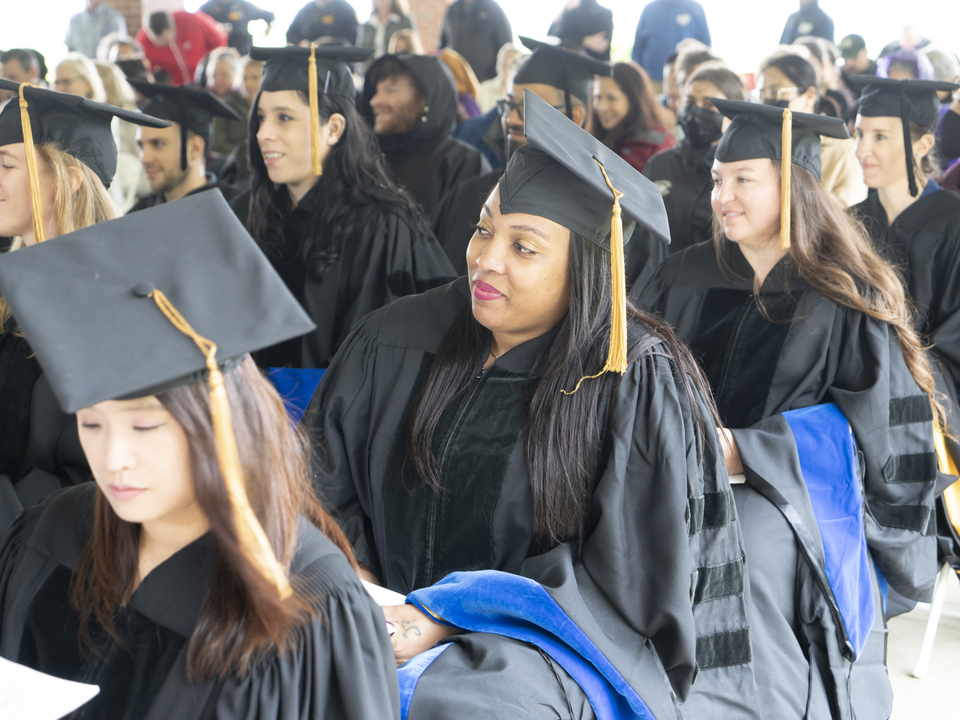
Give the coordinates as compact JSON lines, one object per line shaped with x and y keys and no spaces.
{"x":415,"y":631}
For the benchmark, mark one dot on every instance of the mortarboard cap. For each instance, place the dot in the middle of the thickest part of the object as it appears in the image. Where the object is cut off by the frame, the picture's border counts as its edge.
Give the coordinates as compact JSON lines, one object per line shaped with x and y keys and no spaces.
{"x":566,"y":175}
{"x":762,"y":131}
{"x":78,"y":126}
{"x":193,"y":109}
{"x":136,"y":306}
{"x":909,"y":100}
{"x":312,"y":70}
{"x":558,"y":67}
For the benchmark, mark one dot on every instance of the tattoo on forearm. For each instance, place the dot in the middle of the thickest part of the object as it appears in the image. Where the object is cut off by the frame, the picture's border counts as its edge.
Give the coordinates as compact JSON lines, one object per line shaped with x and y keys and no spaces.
{"x":409,"y":628}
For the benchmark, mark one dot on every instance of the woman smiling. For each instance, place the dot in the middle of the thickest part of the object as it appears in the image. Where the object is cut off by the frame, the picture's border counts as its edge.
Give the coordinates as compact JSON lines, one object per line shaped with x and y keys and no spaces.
{"x":341,"y":233}
{"x":477,"y":427}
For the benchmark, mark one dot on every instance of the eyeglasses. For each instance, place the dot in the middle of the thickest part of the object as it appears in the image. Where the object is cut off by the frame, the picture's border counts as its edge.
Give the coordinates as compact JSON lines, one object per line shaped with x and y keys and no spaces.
{"x":508,"y":106}
{"x":64,"y":82}
{"x":778,"y":94}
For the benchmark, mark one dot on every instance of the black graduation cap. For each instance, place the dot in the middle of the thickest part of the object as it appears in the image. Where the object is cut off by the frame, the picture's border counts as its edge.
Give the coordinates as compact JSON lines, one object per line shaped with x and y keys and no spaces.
{"x":568,"y":70}
{"x":287,"y":68}
{"x":908,"y":100}
{"x":135,"y":306}
{"x":311,"y":70}
{"x":568,"y":176}
{"x":80,"y":127}
{"x":193,"y":109}
{"x":762,"y":131}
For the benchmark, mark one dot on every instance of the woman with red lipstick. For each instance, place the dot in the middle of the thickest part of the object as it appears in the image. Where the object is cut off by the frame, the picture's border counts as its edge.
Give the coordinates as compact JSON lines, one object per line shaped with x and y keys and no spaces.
{"x":198,"y":577}
{"x":791,"y":310}
{"x":478,"y":427}
{"x":343,"y":236}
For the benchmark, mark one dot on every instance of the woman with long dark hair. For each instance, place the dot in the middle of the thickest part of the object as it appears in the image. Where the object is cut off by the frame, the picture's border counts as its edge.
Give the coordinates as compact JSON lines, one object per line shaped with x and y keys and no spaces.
{"x":476,"y":427}
{"x":343,"y":236}
{"x":683,"y":172}
{"x":625,"y":116}
{"x":198,"y":576}
{"x":791,"y":309}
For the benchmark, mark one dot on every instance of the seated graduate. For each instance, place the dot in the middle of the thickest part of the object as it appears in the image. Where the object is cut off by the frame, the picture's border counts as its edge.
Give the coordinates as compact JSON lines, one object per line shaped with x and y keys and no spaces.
{"x":345,"y":238}
{"x":175,"y":158}
{"x":792,"y":308}
{"x":561,"y":77}
{"x":457,"y":432}
{"x":54,"y":179}
{"x":198,"y":577}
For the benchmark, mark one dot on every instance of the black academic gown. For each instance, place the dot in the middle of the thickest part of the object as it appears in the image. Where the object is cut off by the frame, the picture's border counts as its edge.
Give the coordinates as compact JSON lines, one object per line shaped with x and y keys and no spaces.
{"x":925,"y":241}
{"x":341,"y":666}
{"x":683,"y":175}
{"x":661,"y":514}
{"x":384,"y":260}
{"x":806,"y":351}
{"x":153,"y":199}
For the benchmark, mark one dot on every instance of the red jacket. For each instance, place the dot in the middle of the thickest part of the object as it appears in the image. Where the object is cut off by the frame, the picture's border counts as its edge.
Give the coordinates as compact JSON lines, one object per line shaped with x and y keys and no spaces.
{"x":196,"y":35}
{"x":637,"y":150}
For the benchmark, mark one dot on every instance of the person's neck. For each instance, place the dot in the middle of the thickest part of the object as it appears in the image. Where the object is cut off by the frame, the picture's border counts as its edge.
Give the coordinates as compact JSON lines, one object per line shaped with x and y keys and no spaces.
{"x":163,"y":538}
{"x":762,"y":257}
{"x":383,"y":15}
{"x":30,"y":238}
{"x":896,"y":197}
{"x":502,"y":343}
{"x":195,"y":179}
{"x":299,"y":189}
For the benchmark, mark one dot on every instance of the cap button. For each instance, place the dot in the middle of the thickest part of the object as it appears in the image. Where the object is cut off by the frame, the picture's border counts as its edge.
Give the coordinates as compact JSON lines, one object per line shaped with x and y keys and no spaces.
{"x":144,"y":289}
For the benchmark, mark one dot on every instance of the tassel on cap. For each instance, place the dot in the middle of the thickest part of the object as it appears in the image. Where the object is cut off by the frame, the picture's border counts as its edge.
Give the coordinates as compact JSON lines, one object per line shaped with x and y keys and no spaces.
{"x":33,"y":172}
{"x":908,"y":141}
{"x":786,"y":161}
{"x":617,"y":352}
{"x":314,"y":93}
{"x":253,"y":540}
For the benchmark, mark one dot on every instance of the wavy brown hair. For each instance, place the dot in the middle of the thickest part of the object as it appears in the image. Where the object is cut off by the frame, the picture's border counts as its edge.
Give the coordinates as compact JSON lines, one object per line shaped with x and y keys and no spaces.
{"x":833,"y":254}
{"x":634,"y":82}
{"x":243,"y":620}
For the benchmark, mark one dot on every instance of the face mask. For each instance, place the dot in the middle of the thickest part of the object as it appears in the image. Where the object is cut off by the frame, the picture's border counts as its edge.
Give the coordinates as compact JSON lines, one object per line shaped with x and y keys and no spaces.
{"x":783,"y":104}
{"x":701,"y":126}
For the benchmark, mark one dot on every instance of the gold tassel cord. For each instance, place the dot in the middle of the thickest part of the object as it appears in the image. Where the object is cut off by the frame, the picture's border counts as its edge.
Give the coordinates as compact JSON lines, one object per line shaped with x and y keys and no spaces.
{"x":786,"y":161}
{"x":253,"y":540}
{"x":33,"y":172}
{"x":617,"y":352}
{"x":314,"y":92}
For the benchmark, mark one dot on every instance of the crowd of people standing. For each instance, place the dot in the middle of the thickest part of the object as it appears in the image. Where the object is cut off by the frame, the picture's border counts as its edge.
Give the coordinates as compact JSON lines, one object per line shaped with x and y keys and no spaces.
{"x":344,"y":380}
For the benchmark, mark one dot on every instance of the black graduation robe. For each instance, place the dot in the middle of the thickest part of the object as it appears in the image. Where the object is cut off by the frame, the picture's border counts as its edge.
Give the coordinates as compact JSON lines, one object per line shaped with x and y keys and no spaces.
{"x":659,"y":581}
{"x":806,"y":351}
{"x":386,"y":259}
{"x":342,"y":665}
{"x":924,"y":240}
{"x":19,"y":372}
{"x":153,"y":199}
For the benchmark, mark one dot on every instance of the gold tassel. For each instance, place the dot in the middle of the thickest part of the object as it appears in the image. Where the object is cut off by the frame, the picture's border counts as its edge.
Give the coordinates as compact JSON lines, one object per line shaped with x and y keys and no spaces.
{"x":944,"y":458}
{"x":314,"y":112}
{"x":617,"y":352}
{"x":253,"y":540}
{"x":786,"y":161}
{"x":33,"y":172}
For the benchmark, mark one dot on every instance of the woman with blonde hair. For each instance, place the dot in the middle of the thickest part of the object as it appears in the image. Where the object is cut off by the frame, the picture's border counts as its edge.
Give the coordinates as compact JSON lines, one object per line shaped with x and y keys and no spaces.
{"x":54,"y":179}
{"x":807,"y":338}
{"x":119,"y":93}
{"x":77,"y":75}
{"x":468,"y":87}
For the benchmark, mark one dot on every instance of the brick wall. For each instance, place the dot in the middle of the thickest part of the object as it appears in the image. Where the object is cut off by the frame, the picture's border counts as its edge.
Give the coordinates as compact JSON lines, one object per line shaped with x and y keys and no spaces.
{"x":429,"y":15}
{"x":130,"y":9}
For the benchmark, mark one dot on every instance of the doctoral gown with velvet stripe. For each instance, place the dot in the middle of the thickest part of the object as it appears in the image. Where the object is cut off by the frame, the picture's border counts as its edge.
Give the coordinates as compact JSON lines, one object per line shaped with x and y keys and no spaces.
{"x":341,"y":664}
{"x":658,"y":584}
{"x":799,"y":350}
{"x":924,"y":240}
{"x":385,"y":258}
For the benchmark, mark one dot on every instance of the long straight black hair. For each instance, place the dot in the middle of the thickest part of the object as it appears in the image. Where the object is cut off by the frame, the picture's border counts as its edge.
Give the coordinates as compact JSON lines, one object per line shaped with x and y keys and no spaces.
{"x":355,"y":185}
{"x":562,"y":433}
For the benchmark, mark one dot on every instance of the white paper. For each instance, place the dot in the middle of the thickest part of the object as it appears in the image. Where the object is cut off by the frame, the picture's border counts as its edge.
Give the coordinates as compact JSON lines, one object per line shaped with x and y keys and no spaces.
{"x":739,"y":479}
{"x":382,"y":596}
{"x":26,"y":694}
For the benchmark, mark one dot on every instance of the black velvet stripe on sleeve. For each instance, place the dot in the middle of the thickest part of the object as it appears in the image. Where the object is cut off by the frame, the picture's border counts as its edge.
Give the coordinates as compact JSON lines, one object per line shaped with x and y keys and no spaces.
{"x":917,"y":518}
{"x":711,"y":510}
{"x":724,"y":649}
{"x":912,"y":409}
{"x":917,"y":467}
{"x":718,"y":581}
